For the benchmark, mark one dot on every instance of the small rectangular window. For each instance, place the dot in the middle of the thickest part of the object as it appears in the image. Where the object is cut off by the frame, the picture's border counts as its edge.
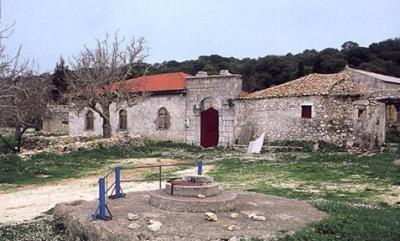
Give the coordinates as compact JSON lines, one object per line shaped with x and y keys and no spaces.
{"x":306,"y":111}
{"x":361,"y":114}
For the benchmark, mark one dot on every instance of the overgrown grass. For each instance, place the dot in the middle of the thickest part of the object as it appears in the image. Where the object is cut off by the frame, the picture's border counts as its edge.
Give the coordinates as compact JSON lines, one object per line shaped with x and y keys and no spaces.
{"x":43,"y":229}
{"x":45,"y":167}
{"x":352,"y":223}
{"x":45,"y":134}
{"x":340,"y":177}
{"x":309,"y":146}
{"x":350,"y":188}
{"x":10,"y":139}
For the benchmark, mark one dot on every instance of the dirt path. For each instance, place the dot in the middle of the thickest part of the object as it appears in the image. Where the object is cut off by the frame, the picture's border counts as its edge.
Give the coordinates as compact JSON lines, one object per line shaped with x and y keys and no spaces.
{"x":29,"y":202}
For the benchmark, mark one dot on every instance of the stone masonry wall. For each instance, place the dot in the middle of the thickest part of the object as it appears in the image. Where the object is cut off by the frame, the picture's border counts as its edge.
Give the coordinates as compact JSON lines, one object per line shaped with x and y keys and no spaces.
{"x":332,"y":118}
{"x":141,"y":118}
{"x":370,"y":81}
{"x":219,"y":89}
{"x":56,"y":121}
{"x":369,"y":129}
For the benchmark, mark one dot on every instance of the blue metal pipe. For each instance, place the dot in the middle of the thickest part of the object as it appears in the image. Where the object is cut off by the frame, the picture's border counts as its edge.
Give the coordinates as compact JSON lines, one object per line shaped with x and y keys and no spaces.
{"x":118,"y":189}
{"x":102,"y":199}
{"x":200,"y":167}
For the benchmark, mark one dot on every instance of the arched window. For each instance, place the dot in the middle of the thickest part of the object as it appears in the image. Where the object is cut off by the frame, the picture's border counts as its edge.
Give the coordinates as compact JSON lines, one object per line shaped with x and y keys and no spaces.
{"x":163,"y":119}
{"x":89,"y":120}
{"x":123,"y":120}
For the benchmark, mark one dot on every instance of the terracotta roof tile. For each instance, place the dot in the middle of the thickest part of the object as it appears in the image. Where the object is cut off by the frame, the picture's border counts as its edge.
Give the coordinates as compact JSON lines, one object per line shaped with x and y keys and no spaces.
{"x":313,"y":84}
{"x":156,"y":83}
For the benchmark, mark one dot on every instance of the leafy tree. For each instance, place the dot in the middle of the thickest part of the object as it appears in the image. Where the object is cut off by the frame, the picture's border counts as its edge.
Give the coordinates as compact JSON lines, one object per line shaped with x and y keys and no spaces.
{"x":349,"y":45}
{"x":301,"y":71}
{"x":59,"y":80}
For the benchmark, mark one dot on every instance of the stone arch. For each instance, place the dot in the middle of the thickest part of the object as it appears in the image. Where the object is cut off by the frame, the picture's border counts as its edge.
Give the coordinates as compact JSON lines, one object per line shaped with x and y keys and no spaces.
{"x":207,"y":103}
{"x":163,"y":121}
{"x":209,"y":122}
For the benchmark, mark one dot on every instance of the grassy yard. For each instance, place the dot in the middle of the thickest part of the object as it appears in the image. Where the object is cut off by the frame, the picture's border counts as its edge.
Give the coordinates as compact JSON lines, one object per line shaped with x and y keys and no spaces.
{"x":46,"y":167}
{"x":358,"y":192}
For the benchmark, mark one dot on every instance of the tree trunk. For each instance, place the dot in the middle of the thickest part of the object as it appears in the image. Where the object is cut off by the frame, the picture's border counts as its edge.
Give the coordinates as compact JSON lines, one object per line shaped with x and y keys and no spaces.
{"x":18,"y":139}
{"x":107,"y":132}
{"x":106,"y":128}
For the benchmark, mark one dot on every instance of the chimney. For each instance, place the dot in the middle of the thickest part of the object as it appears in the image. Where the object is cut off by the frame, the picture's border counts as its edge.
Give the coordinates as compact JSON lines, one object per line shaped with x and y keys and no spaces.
{"x":201,"y":74}
{"x":224,"y":72}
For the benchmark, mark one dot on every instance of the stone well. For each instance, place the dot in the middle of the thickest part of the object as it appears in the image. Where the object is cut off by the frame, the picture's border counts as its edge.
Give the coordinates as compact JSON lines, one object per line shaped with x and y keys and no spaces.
{"x":192,"y":193}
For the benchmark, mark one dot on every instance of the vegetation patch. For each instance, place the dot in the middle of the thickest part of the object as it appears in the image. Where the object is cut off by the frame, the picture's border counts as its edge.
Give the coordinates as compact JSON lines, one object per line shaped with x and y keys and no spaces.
{"x":43,"y":229}
{"x":45,"y":167}
{"x":350,"y":188}
{"x":307,"y":146}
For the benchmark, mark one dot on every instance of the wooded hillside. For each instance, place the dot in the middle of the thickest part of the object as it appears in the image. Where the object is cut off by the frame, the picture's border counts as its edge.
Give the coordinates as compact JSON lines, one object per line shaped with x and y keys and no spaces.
{"x":260,"y":73}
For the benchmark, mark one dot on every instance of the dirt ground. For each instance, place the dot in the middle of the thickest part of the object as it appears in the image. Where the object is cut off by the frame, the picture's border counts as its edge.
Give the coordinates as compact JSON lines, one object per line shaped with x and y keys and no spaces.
{"x":31,"y":201}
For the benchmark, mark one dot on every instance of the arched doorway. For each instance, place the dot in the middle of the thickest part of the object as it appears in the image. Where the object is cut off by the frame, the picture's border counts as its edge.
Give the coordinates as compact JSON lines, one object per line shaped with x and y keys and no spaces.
{"x":209,"y":123}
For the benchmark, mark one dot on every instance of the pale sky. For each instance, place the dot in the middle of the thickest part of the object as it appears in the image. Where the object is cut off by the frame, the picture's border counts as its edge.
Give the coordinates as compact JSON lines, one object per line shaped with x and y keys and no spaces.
{"x":185,"y":29}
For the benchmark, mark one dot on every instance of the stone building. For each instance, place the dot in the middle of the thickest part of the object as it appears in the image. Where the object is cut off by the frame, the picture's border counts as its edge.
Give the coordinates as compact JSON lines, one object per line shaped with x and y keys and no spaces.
{"x":347,"y":108}
{"x":179,"y":107}
{"x":352,"y":108}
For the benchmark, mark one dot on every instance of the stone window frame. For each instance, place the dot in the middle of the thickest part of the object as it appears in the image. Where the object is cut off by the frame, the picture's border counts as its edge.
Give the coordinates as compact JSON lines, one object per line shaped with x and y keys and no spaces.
{"x":361,"y":112}
{"x":306,"y":114}
{"x":163,"y":121}
{"x":89,"y":120}
{"x":122,"y":119}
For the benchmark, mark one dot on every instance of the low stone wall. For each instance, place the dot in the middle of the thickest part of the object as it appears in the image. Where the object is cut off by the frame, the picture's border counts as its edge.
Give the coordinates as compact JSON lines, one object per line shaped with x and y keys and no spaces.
{"x":64,"y":144}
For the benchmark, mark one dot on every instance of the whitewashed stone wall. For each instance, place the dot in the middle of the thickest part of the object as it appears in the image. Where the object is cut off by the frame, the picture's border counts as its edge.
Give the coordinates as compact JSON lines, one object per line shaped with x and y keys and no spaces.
{"x":219,"y":88}
{"x":77,"y":124}
{"x":141,"y":118}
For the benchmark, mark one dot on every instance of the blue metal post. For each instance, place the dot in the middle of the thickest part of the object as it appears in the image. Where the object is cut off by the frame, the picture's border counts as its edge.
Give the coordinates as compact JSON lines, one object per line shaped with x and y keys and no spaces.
{"x":200,"y":167}
{"x":118,"y":189}
{"x":102,"y":199}
{"x":102,"y":211}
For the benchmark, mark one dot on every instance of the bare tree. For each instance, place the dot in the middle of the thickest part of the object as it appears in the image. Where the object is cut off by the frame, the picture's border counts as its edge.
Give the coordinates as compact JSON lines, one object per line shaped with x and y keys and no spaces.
{"x":96,"y":78}
{"x":23,"y":103}
{"x":23,"y":95}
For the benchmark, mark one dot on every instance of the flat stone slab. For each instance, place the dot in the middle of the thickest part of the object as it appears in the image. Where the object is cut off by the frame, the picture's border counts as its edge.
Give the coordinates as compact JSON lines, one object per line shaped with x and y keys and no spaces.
{"x":281,"y":215}
{"x":224,"y":201}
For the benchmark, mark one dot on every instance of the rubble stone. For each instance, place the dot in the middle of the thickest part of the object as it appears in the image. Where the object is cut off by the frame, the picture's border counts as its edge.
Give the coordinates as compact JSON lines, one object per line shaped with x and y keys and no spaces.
{"x":234,"y":215}
{"x":154,"y":225}
{"x":34,"y":144}
{"x":256,"y":217}
{"x":134,"y":226}
{"x":212,"y":217}
{"x":132,"y":217}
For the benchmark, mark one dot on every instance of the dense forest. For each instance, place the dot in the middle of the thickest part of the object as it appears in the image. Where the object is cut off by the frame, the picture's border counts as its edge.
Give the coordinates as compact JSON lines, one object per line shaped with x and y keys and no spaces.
{"x":263,"y":72}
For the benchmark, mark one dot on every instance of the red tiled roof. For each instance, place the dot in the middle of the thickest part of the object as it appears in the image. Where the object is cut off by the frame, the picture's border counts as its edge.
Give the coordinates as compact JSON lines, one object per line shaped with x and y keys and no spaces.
{"x":156,"y":83}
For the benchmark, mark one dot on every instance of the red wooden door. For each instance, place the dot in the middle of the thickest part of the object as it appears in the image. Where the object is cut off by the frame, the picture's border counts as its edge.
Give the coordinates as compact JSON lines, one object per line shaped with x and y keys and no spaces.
{"x":209,"y":128}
